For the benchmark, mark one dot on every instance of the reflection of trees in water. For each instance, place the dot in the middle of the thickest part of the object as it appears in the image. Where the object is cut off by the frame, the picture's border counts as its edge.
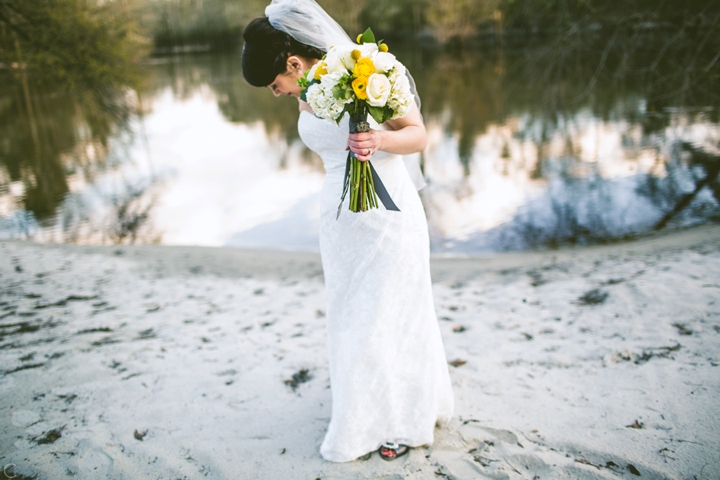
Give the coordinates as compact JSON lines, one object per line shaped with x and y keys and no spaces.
{"x":66,"y":136}
{"x":127,"y":221}
{"x":592,"y":209}
{"x":485,"y":89}
{"x":703,"y":170}
{"x":60,"y":143}
{"x":639,"y":80}
{"x":551,"y":59}
{"x":118,"y":216}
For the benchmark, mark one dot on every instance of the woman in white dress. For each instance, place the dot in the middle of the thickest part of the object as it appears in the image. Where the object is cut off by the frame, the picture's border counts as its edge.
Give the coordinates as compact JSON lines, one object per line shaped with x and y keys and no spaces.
{"x":388,"y":371}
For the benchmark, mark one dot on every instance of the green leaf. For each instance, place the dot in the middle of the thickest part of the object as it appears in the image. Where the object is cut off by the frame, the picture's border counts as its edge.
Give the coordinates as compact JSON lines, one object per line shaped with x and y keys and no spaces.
{"x":337,"y":92}
{"x":387,"y":113}
{"x":342,"y":114}
{"x":377,"y":113}
{"x":368,"y":36}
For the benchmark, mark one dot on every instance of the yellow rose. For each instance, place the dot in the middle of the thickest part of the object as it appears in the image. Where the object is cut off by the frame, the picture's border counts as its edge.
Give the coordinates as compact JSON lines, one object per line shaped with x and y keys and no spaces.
{"x":383,"y":47}
{"x":359,"y":85}
{"x":356,"y":54}
{"x":364,"y":68}
{"x":320,"y":70}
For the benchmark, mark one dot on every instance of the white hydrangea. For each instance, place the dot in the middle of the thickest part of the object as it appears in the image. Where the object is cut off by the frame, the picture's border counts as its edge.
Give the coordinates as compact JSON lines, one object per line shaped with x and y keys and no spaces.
{"x":320,"y":98}
{"x":401,"y":97}
{"x":331,"y":79}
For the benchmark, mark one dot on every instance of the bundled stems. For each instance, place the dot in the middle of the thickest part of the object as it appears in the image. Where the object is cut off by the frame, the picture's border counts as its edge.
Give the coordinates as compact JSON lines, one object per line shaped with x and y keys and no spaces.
{"x":360,"y":181}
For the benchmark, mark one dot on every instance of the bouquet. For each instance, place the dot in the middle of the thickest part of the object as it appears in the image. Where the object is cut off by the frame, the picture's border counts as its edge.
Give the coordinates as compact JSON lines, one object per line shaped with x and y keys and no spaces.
{"x":359,"y":80}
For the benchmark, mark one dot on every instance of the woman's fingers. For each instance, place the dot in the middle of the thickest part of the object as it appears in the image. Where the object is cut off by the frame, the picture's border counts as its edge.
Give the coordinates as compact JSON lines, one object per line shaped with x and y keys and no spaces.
{"x":362,"y":140}
{"x":363,"y":145}
{"x":363,"y":155}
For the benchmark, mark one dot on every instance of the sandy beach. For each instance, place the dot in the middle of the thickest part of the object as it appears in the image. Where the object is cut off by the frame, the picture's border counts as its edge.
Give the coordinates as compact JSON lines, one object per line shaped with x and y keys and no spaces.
{"x":165,"y":362}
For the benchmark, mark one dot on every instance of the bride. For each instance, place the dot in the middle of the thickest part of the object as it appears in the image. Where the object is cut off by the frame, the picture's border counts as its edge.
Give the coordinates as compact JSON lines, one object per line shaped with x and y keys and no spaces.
{"x":388,"y":371}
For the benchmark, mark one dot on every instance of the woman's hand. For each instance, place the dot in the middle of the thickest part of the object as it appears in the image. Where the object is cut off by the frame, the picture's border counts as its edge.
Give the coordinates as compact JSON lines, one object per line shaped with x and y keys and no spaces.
{"x":407,"y":136}
{"x":365,"y":144}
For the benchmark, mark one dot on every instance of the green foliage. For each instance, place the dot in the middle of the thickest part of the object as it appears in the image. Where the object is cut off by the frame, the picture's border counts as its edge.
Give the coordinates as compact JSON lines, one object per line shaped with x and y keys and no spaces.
{"x":204,"y":25}
{"x":380,"y":114}
{"x":398,"y":19}
{"x":306,"y":85}
{"x":367,"y":36}
{"x":78,"y":45}
{"x":343,"y":90}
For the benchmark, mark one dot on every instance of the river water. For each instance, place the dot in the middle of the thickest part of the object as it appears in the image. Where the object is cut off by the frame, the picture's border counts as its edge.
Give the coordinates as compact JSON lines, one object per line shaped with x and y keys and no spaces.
{"x":208,"y":160}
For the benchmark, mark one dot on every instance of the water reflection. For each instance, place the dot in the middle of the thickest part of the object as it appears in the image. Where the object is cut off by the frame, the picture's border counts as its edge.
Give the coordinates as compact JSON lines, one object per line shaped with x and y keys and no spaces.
{"x":57,"y":152}
{"x":589,"y":181}
{"x":204,"y":159}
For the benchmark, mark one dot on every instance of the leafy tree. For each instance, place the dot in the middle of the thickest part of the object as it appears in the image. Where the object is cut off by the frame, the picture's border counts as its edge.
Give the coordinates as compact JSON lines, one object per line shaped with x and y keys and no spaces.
{"x":78,"y":45}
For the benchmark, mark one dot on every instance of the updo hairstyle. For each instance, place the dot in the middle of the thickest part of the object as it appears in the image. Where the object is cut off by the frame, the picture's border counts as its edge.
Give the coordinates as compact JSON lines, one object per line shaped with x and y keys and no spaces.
{"x":266,"y":50}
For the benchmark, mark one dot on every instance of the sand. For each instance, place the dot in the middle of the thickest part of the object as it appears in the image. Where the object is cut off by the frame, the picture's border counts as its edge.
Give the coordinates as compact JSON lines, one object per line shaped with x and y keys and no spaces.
{"x":188,"y":362}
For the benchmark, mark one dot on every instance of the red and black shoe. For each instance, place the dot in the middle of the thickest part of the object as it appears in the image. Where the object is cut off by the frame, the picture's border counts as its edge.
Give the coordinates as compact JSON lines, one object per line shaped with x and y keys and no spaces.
{"x":392,"y":450}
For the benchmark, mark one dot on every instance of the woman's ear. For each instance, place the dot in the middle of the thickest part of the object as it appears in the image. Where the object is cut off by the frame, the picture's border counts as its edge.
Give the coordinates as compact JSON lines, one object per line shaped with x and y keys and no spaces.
{"x":294,"y":64}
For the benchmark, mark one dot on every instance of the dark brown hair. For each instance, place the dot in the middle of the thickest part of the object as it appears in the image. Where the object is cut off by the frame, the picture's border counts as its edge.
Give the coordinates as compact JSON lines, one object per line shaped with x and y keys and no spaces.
{"x":266,"y":51}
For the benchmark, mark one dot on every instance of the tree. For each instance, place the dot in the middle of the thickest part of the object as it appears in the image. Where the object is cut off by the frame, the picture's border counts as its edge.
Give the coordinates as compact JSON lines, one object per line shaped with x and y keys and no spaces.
{"x":76,"y":45}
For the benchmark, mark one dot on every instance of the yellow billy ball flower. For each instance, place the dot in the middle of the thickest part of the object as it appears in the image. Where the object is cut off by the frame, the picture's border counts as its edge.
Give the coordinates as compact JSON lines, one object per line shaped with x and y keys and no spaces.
{"x":383,"y":47}
{"x":359,"y":38}
{"x":356,"y":54}
{"x":363,"y":68}
{"x":320,"y":70}
{"x":359,"y":85}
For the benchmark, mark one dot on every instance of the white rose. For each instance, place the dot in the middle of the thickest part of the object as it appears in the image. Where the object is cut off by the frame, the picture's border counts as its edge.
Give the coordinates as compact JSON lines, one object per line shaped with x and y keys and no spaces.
{"x":368,"y":49}
{"x":377,"y":90}
{"x":345,"y":56}
{"x":333,"y":62}
{"x":384,"y":61}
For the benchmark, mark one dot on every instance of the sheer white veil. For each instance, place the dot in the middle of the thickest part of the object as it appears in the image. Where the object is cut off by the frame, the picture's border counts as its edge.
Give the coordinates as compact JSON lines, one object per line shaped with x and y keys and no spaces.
{"x":308,"y":23}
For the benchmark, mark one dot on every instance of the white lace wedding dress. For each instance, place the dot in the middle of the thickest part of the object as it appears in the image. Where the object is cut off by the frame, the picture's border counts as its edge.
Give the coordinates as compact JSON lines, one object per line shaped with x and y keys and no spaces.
{"x":388,"y":370}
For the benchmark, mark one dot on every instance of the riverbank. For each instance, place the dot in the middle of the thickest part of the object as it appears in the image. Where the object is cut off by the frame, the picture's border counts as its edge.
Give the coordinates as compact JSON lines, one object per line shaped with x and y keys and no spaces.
{"x":190,"y":362}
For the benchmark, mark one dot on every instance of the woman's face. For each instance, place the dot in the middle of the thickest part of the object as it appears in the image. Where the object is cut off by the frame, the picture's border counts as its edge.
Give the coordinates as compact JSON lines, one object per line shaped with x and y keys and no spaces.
{"x":286,"y":83}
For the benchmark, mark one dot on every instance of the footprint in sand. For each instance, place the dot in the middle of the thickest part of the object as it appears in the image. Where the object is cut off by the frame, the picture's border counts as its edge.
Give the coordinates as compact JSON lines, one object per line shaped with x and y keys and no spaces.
{"x":24,"y":418}
{"x":94,"y":459}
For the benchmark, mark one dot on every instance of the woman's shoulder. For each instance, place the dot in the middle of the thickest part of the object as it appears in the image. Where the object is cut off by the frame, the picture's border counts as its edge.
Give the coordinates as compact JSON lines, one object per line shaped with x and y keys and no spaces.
{"x":304,"y":106}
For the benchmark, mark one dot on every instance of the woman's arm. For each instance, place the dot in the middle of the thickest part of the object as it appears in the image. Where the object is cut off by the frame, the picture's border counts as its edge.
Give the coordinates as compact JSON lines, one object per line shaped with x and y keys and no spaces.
{"x":407,"y":136}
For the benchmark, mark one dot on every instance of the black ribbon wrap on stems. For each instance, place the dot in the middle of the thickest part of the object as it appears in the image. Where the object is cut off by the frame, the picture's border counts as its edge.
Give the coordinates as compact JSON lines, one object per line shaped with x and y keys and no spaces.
{"x":359,"y":124}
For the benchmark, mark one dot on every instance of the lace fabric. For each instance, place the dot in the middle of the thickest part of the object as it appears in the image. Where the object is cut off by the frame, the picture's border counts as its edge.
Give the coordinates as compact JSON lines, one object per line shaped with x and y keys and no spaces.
{"x":388,"y":370}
